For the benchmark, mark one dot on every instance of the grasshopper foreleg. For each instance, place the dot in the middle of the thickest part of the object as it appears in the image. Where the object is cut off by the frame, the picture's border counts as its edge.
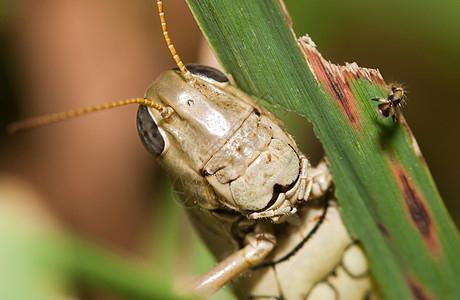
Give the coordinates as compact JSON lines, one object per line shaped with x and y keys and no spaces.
{"x":321,"y":179}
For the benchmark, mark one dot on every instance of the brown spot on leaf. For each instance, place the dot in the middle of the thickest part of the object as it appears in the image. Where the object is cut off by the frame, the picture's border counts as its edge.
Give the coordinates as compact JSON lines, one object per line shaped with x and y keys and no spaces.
{"x":383,"y":230}
{"x":336,"y":79}
{"x":417,"y":289}
{"x":416,"y":207}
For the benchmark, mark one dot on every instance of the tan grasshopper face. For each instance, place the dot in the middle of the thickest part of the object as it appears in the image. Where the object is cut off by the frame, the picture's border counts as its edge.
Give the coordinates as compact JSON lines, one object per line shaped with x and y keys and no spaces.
{"x":219,"y":146}
{"x":202,"y":117}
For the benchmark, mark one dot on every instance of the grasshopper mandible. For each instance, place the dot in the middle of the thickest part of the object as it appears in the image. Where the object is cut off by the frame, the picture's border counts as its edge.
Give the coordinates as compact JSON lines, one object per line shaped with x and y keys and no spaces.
{"x":260,"y":207}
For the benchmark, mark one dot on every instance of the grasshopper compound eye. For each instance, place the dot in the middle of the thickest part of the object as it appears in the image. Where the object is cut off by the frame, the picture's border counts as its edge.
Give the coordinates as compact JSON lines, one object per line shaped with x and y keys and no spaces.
{"x":206,"y":73}
{"x":149,"y":133}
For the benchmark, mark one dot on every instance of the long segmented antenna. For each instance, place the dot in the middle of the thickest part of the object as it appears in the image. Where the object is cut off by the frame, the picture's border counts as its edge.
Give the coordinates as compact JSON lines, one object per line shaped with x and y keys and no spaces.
{"x":179,"y":63}
{"x":65,"y":115}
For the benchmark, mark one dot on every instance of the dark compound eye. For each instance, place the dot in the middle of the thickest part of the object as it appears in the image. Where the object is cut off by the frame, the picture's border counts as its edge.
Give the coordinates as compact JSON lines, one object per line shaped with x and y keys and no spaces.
{"x":206,"y":72}
{"x":149,"y":132}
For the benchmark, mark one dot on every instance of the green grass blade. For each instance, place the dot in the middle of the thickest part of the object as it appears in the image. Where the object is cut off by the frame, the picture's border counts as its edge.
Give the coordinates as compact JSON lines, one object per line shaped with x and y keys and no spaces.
{"x":385,"y":189}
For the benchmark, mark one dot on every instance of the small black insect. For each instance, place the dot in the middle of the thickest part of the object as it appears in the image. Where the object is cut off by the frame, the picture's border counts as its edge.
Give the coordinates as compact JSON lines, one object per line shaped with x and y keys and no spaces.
{"x":389,"y":106}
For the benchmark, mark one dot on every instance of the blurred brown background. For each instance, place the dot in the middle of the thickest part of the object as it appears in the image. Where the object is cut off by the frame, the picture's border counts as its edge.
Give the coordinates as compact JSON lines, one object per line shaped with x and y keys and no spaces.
{"x":61,"y":54}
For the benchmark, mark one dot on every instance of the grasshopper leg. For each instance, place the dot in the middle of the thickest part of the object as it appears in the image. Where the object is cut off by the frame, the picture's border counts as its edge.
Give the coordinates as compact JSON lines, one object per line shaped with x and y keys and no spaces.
{"x":321,"y":179}
{"x":259,"y":245}
{"x":312,"y":183}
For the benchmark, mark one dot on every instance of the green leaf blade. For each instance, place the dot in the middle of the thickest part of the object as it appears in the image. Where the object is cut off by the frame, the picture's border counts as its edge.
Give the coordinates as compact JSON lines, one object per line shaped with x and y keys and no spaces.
{"x":386,"y":192}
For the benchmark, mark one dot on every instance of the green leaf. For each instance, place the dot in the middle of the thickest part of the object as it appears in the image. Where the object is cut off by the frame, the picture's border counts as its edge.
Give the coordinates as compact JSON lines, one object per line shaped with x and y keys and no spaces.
{"x":388,"y":198}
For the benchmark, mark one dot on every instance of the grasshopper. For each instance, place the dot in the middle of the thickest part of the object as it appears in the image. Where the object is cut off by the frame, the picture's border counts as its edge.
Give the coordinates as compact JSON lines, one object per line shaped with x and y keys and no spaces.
{"x":265,"y":213}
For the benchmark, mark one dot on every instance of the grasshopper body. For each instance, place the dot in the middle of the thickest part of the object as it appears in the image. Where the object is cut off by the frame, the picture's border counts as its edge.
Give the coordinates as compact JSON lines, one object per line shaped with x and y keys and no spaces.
{"x":245,"y":185}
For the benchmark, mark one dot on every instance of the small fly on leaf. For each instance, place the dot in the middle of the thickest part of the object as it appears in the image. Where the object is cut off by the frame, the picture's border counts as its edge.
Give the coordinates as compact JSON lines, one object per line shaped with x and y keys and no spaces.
{"x":389,"y":105}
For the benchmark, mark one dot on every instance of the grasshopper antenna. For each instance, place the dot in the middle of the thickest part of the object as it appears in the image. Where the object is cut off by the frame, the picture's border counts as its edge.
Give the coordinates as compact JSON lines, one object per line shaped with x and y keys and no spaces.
{"x":65,"y":115}
{"x":186,"y":73}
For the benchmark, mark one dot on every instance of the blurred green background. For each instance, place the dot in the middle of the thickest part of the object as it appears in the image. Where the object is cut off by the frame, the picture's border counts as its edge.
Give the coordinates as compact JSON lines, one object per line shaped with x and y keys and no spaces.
{"x":94,"y":174}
